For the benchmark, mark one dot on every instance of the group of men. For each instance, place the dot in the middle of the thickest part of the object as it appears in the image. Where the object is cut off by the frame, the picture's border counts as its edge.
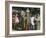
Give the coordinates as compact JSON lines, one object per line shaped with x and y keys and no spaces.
{"x":21,"y":20}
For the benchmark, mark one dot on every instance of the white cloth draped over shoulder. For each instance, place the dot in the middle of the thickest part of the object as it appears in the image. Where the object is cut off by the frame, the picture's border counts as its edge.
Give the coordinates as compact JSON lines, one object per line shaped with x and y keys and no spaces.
{"x":16,"y":20}
{"x":32,"y":20}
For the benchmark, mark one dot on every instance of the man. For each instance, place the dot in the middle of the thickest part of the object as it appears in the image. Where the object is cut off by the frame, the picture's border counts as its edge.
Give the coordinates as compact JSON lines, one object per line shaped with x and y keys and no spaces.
{"x":37,"y":23}
{"x":32,"y":24}
{"x":16,"y":22}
